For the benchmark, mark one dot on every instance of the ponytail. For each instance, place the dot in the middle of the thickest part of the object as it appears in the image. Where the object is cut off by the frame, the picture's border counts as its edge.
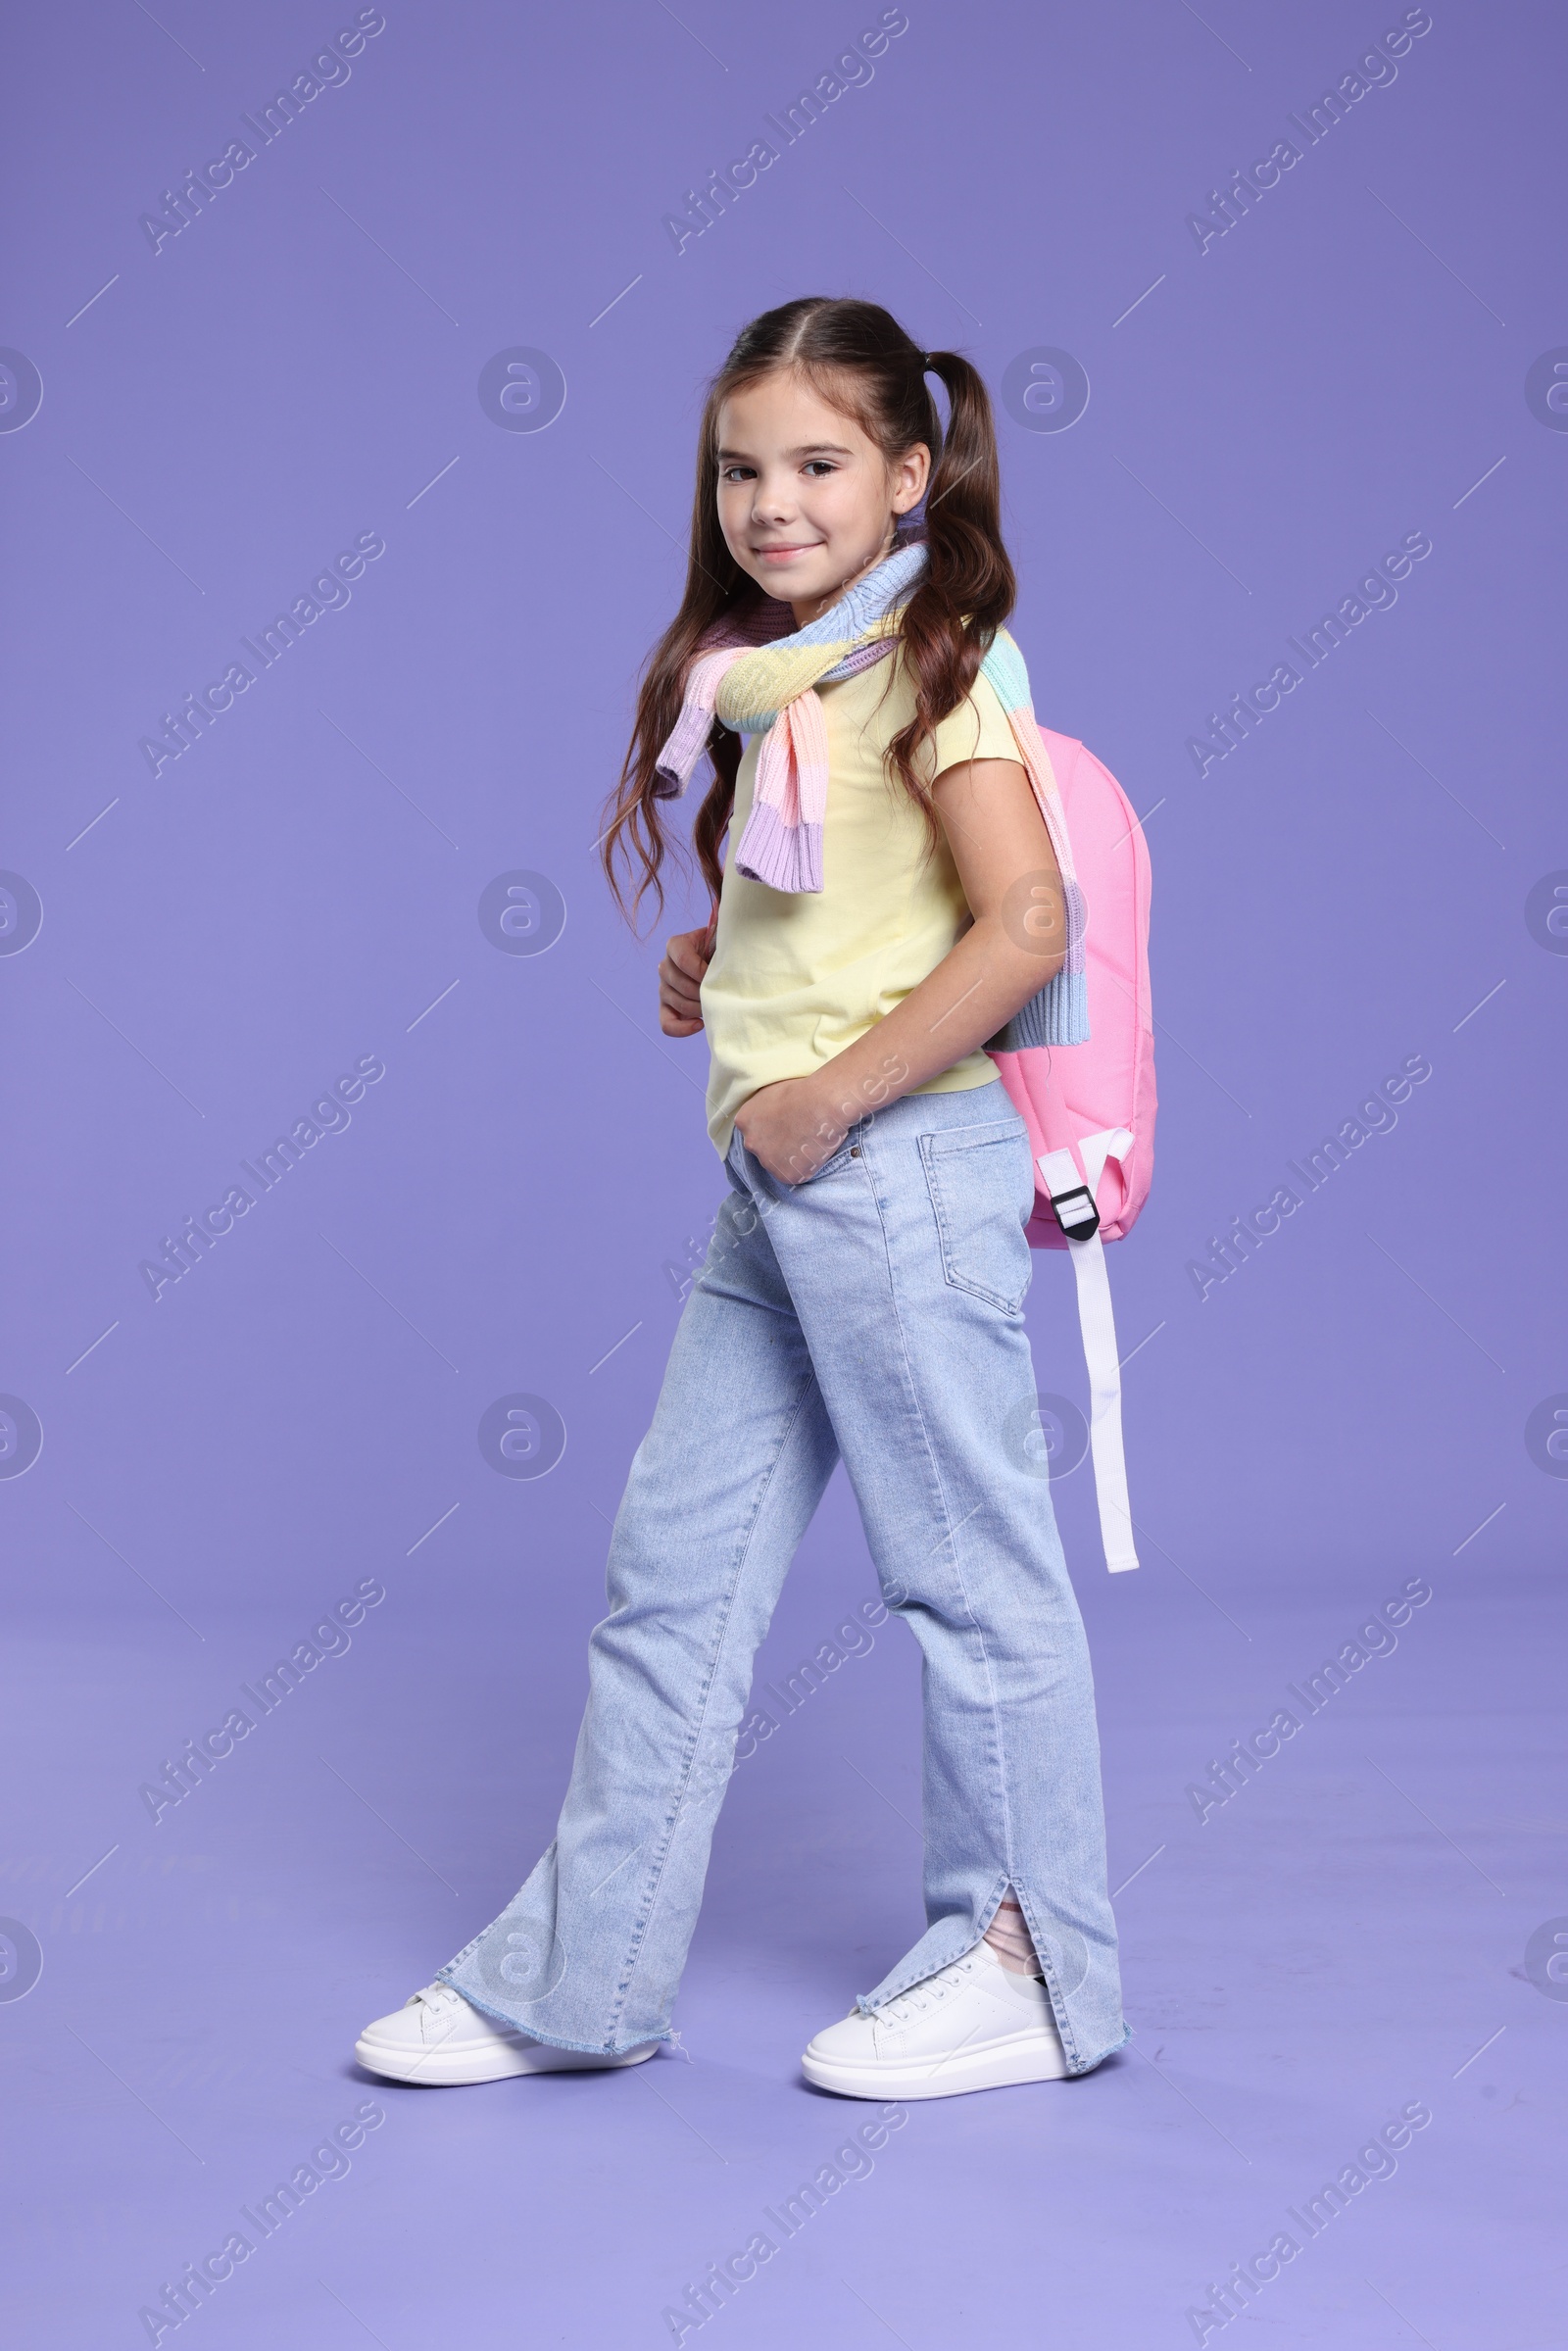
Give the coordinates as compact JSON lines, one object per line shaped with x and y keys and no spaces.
{"x":968,"y":587}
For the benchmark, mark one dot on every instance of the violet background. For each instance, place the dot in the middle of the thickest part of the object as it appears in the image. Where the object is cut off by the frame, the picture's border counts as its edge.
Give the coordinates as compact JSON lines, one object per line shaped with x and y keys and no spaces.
{"x":1348,"y":888}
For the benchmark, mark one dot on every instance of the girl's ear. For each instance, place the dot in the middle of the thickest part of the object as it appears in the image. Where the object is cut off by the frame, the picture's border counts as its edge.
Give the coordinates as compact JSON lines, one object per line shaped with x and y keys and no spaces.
{"x":912,"y":477}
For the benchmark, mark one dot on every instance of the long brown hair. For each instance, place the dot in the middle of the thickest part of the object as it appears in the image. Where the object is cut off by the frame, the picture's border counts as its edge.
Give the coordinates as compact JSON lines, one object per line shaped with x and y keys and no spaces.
{"x":855,"y":356}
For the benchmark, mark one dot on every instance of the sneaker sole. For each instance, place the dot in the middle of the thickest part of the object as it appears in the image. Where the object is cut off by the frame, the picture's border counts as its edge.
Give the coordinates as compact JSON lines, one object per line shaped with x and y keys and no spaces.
{"x":453,"y":2068}
{"x":999,"y":2064}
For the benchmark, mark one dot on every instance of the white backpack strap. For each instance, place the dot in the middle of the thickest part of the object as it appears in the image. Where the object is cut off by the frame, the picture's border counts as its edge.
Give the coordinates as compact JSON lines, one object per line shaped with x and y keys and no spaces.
{"x":1072,"y":1196}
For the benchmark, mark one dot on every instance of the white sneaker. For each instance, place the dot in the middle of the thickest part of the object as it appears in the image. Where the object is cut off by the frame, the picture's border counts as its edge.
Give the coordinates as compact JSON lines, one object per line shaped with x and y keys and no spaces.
{"x":439,"y":2037}
{"x":972,"y":2025}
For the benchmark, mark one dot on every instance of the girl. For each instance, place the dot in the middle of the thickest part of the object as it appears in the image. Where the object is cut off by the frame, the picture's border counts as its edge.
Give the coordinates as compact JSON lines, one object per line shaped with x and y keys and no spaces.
{"x":897,"y":890}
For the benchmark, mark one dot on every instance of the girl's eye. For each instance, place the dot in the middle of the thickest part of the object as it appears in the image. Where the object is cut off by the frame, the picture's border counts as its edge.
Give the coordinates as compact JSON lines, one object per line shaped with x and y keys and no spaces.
{"x":825,"y":462}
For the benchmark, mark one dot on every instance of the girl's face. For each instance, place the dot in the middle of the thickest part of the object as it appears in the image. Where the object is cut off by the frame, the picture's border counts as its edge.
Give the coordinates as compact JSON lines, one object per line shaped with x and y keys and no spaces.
{"x":807,"y":503}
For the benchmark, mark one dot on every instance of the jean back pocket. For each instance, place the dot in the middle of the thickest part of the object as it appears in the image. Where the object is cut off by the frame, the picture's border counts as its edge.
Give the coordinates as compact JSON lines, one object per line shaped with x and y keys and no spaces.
{"x":982,"y":1187}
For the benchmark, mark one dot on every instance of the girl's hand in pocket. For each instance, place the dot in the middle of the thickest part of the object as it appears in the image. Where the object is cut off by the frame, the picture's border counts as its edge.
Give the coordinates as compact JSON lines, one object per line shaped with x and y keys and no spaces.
{"x":680,"y":975}
{"x":791,"y":1127}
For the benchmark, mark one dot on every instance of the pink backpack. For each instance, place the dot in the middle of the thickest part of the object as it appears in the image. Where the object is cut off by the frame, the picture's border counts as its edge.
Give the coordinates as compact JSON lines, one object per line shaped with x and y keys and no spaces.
{"x":1090,"y":1108}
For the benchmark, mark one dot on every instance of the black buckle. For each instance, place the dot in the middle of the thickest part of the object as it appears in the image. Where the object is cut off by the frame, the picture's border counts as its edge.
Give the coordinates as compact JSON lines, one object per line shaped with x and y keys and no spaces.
{"x":1084,"y":1223}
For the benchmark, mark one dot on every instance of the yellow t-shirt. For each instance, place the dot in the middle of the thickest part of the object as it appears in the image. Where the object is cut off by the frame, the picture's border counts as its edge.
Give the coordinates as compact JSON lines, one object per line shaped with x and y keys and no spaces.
{"x":796,"y":976}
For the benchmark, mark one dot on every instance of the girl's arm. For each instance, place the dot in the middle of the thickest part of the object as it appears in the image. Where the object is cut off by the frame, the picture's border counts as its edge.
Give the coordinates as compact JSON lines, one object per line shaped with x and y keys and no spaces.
{"x":1015,"y":944}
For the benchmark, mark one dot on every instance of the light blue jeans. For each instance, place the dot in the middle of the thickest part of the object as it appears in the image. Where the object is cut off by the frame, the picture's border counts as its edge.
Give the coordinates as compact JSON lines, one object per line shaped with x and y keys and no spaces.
{"x":874,"y":1312}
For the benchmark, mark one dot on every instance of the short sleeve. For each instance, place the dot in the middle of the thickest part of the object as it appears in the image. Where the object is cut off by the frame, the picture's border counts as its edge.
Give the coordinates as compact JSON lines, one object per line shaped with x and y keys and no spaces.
{"x":978,"y":729}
